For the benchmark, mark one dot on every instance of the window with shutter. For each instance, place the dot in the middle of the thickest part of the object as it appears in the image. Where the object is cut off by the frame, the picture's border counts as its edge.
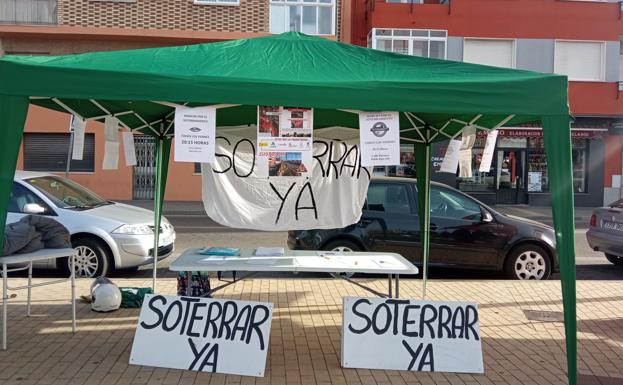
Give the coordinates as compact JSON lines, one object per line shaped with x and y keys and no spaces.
{"x":499,"y":53}
{"x":48,"y":152}
{"x":580,"y":60}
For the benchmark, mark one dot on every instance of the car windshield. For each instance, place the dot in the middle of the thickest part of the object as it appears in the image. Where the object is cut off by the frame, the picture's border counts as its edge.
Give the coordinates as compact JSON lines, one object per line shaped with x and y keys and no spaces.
{"x":66,"y":194}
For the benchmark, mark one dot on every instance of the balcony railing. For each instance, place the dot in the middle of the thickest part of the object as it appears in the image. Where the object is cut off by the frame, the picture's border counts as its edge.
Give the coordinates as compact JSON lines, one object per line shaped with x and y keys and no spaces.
{"x":37,"y":12}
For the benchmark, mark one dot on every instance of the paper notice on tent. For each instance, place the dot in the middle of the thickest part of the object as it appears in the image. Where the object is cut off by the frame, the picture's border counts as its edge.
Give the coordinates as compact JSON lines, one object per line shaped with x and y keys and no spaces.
{"x":423,"y":336}
{"x":284,"y":141}
{"x":379,"y":135}
{"x":487,"y":153}
{"x":77,"y":127}
{"x":111,"y":129}
{"x":111,"y":156}
{"x":195,"y":132}
{"x":203,"y":334}
{"x":468,"y":138}
{"x":128,"y":149}
{"x":237,"y":194}
{"x":451,"y":158}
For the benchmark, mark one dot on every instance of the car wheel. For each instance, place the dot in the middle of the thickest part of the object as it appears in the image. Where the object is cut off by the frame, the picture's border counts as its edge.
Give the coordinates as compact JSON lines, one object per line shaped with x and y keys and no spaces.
{"x":92,"y":259}
{"x":528,"y":262}
{"x":615,"y":259}
{"x":344,"y":246}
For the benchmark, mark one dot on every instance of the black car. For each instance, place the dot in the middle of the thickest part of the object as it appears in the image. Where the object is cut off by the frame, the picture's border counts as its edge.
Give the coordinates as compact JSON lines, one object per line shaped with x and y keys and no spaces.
{"x":464,"y":232}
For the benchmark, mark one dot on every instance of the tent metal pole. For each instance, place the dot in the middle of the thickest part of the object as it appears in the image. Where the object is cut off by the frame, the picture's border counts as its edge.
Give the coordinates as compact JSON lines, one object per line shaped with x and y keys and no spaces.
{"x":426,"y":239}
{"x":157,"y":206}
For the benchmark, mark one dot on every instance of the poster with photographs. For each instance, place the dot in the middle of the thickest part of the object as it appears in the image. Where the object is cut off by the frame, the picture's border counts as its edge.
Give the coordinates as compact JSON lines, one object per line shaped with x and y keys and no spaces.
{"x":284,"y":141}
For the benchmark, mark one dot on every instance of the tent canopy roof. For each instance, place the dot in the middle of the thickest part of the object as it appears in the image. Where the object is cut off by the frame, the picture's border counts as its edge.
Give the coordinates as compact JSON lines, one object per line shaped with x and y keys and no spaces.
{"x":287,"y":69}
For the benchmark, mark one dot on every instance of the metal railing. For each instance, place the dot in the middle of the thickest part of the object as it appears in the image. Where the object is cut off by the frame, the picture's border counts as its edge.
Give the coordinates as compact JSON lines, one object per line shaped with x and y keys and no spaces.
{"x":34,"y":12}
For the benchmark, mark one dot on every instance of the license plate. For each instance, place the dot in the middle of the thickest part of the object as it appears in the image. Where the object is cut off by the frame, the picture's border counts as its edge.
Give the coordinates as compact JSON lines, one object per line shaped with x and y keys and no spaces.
{"x":613,"y":226}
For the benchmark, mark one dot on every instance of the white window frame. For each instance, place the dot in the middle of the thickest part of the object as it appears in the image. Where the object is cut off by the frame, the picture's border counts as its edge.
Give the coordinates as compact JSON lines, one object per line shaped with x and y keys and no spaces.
{"x":513,"y":49}
{"x":602,"y":69}
{"x":231,"y":3}
{"x":296,"y":3}
{"x":373,"y":39}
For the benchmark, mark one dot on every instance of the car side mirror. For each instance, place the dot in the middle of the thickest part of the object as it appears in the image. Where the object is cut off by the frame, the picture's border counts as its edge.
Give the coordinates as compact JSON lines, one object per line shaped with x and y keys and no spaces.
{"x":33,"y":208}
{"x":486,"y":216}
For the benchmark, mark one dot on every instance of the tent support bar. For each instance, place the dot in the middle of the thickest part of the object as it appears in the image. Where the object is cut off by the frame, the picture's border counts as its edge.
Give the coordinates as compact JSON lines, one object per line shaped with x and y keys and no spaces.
{"x":503,"y":122}
{"x":174,"y":105}
{"x":66,"y":108}
{"x":157,"y":213}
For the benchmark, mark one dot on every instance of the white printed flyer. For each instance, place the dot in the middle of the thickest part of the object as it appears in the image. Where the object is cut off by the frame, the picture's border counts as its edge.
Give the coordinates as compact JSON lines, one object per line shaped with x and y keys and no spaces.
{"x":284,"y":141}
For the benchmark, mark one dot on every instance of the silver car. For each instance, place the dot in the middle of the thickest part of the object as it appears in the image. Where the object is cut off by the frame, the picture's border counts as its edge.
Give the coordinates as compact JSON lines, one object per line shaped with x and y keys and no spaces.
{"x":606,"y":232}
{"x":107,"y":235}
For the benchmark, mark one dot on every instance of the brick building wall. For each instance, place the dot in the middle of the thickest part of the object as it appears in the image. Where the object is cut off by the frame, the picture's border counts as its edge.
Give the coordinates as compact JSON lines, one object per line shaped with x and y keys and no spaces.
{"x":182,"y":15}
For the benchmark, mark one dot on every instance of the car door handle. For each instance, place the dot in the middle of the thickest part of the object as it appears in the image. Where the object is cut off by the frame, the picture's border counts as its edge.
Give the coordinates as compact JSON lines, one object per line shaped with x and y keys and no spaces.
{"x":433,"y":226}
{"x":364,"y":221}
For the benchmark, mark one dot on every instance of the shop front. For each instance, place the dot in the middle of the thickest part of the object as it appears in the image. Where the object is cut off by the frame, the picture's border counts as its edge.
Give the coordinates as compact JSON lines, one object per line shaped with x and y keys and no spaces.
{"x":518,"y":173}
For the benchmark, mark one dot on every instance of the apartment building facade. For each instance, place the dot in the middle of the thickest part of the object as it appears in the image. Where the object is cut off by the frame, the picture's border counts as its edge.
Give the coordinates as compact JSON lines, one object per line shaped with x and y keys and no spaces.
{"x":56,"y":27}
{"x":582,"y":39}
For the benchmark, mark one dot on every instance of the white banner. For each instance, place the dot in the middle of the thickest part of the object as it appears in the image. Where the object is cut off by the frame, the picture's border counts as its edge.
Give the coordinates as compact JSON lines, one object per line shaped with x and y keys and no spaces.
{"x":487,"y":153}
{"x":128,"y":149}
{"x":380,"y":138}
{"x":284,"y":141}
{"x":203,"y":334}
{"x":402,"y":334}
{"x":194,"y":134}
{"x":235,"y":194}
{"x":77,"y":126}
{"x":451,"y":158}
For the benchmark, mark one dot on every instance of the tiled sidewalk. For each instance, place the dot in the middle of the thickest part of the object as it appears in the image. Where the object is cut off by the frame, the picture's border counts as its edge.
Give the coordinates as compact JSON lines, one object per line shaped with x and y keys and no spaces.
{"x":305,"y":336}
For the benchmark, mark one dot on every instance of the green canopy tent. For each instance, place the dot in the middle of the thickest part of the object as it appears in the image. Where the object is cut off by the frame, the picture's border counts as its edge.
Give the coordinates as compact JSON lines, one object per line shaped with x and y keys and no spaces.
{"x":436,"y":100}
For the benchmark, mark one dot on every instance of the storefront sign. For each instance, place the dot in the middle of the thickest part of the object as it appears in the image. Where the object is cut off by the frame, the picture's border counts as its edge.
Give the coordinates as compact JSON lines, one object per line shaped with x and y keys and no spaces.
{"x":284,"y":141}
{"x":379,"y":135}
{"x":400,"y":334}
{"x":237,"y":194}
{"x":203,"y":334}
{"x":538,"y":133}
{"x":194,"y":134}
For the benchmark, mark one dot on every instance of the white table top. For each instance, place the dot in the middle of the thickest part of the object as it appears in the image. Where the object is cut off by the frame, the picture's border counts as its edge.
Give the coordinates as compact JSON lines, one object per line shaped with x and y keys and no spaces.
{"x":297,"y":260}
{"x":38,"y":255}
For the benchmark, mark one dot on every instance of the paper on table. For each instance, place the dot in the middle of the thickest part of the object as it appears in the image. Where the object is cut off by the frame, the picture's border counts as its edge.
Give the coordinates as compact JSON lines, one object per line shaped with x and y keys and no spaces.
{"x":261,"y":261}
{"x":214,"y":259}
{"x":386,"y":263}
{"x":269,"y":251}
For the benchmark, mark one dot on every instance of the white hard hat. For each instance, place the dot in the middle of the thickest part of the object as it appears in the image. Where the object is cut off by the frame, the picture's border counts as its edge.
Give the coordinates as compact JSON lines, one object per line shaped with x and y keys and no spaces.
{"x":105,"y":295}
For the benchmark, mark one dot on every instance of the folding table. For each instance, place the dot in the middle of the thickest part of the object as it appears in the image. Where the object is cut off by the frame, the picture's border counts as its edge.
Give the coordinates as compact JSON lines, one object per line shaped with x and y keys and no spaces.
{"x":28,"y":259}
{"x":391,"y":264}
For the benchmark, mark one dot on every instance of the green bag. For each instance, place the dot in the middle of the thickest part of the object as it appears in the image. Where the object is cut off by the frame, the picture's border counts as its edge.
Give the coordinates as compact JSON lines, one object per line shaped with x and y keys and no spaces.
{"x":132,"y":297}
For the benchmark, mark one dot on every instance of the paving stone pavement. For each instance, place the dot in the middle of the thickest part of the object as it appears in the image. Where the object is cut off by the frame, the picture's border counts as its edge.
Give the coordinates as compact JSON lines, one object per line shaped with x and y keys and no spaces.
{"x":305,"y":335}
